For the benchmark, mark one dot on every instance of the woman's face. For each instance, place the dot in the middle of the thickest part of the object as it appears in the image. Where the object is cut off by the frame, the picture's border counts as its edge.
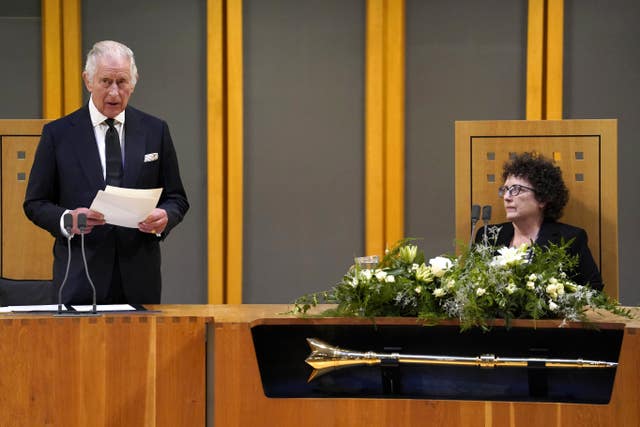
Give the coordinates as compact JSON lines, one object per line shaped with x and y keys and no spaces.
{"x":524,"y":206}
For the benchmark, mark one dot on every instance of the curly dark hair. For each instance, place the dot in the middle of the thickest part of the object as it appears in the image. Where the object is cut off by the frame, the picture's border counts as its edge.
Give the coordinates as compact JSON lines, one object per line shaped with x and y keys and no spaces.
{"x":545,"y":177}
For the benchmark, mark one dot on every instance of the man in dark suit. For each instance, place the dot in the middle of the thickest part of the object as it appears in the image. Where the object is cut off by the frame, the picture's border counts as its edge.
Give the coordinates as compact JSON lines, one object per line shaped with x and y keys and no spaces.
{"x":106,"y":142}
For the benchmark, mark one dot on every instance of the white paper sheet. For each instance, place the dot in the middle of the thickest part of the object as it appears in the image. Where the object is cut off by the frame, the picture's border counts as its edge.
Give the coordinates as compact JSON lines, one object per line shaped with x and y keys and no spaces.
{"x":125,"y":206}
{"x":109,"y":307}
{"x":49,"y":307}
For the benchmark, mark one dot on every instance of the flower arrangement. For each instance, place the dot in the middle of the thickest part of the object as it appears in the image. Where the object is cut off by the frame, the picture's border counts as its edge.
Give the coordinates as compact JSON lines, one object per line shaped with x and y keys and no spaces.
{"x":481,"y":284}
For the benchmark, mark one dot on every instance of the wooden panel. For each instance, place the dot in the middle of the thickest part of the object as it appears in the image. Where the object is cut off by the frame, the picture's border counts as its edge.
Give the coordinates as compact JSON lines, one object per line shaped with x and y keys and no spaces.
{"x":595,"y":139}
{"x":239,"y":399}
{"x":107,"y":371}
{"x":26,"y":248}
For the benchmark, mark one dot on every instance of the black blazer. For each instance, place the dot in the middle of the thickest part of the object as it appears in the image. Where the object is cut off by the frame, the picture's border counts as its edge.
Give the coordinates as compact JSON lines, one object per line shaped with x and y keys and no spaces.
{"x":586,"y":271}
{"x":67,"y":174}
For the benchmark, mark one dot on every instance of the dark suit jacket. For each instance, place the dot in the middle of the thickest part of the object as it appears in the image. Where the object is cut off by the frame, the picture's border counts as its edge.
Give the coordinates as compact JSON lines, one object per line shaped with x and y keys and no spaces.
{"x":67,"y":174}
{"x":553,"y":232}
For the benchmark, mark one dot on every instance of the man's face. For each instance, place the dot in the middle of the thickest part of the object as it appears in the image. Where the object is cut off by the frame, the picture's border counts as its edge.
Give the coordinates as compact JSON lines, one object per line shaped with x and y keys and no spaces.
{"x":111,"y":85}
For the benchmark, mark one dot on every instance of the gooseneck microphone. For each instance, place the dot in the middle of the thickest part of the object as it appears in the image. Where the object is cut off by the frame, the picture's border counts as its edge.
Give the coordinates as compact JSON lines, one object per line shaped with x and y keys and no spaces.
{"x":475,"y":216}
{"x":82,"y":225}
{"x":486,"y":217}
{"x":67,"y":222}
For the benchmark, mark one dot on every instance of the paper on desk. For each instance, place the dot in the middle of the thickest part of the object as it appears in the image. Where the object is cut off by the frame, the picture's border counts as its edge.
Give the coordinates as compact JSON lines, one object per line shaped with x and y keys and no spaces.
{"x":106,"y":307}
{"x":25,"y":308}
{"x":125,"y":206}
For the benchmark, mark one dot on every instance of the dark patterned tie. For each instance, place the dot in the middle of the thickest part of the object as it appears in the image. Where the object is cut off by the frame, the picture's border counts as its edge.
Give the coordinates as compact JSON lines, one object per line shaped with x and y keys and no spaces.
{"x":113,"y":155}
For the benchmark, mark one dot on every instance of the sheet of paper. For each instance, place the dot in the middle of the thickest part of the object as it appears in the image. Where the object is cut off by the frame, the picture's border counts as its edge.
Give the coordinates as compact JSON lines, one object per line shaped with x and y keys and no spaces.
{"x":125,"y":206}
{"x":109,"y":307}
{"x":49,"y":307}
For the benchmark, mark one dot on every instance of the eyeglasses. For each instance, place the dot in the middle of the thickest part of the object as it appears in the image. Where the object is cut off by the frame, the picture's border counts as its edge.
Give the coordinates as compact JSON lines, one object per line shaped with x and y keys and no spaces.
{"x":513,"y":190}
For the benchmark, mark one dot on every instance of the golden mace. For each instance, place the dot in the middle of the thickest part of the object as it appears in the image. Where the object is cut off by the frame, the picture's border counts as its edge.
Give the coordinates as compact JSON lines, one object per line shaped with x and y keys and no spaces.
{"x":325,"y":358}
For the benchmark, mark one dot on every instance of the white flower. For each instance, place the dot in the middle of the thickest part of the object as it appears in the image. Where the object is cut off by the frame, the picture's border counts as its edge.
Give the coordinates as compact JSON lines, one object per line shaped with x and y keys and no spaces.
{"x":354,"y":282}
{"x":511,"y":288}
{"x":552,"y":305}
{"x":552,"y":290}
{"x":390,"y":278}
{"x":414,"y":267}
{"x":439,"y":265}
{"x":531,"y":285}
{"x":480,"y":291}
{"x":418,"y":289}
{"x":439,"y":292}
{"x":450,"y":283}
{"x":510,"y":256}
{"x":408,"y":253}
{"x":380,"y":275}
{"x":366,"y":275}
{"x":533,"y":277}
{"x":553,"y":280}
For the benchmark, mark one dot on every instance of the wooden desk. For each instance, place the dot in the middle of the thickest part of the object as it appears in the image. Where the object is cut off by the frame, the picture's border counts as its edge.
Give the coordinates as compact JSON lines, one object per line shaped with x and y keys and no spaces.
{"x":149,"y":370}
{"x":113,"y":370}
{"x":239,"y":399}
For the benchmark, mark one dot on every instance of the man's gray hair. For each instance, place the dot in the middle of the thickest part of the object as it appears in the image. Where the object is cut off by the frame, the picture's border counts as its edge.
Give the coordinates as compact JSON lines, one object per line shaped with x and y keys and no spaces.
{"x":110,"y":48}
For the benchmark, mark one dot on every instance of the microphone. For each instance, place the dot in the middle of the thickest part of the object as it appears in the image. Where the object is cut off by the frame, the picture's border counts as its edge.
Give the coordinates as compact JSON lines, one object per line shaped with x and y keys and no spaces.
{"x":475,"y":216}
{"x":82,"y":225}
{"x":67,"y":223}
{"x":486,"y":217}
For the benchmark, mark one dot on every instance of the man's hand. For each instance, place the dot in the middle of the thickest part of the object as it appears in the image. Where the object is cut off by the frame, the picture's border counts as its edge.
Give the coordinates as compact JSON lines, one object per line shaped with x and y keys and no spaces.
{"x":93,"y":218}
{"x":155,"y":223}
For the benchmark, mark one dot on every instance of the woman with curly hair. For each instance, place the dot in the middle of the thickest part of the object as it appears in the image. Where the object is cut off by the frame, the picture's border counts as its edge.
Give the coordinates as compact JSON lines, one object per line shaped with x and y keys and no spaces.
{"x":534,"y":195}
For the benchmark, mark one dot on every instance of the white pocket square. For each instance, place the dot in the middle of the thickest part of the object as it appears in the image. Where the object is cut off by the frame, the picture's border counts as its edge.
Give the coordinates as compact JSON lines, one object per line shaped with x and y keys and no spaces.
{"x":151,"y":157}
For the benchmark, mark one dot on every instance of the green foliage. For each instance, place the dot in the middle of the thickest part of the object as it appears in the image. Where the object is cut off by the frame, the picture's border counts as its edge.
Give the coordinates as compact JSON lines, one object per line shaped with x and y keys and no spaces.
{"x":481,"y":284}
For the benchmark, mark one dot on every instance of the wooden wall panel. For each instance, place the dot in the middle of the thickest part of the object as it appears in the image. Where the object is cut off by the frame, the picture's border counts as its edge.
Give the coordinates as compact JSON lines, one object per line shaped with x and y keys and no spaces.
{"x":26,"y":248}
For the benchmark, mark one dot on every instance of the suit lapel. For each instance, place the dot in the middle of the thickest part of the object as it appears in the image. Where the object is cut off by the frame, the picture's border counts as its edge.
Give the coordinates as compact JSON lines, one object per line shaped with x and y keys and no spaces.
{"x":86,"y":148}
{"x":134,"y":147}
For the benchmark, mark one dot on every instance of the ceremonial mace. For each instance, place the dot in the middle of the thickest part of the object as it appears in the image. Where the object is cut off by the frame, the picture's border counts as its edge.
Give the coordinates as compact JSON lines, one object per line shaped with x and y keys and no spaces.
{"x":325,"y":358}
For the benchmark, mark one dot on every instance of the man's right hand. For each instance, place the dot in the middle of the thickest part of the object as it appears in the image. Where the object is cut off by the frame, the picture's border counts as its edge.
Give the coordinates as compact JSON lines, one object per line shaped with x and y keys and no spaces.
{"x":93,"y":218}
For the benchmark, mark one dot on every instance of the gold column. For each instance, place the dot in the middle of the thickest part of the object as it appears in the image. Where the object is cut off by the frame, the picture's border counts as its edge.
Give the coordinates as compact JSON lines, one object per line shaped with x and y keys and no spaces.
{"x":545,"y":59}
{"x":61,"y":57}
{"x":224,"y":150}
{"x":384,"y":128}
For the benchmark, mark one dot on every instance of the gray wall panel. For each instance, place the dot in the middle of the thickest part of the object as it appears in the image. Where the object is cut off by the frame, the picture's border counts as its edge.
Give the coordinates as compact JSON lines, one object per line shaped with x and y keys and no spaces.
{"x":601,"y":81}
{"x":466,"y":60}
{"x":169,"y":41}
{"x":304,"y":167}
{"x":21,"y":69}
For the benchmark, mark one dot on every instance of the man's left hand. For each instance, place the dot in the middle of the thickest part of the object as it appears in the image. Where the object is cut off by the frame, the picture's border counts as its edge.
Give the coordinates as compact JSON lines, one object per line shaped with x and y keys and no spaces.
{"x":155,"y":223}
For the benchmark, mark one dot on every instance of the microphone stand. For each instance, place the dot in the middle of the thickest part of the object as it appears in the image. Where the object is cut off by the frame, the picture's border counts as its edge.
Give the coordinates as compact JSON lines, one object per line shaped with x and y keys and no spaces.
{"x":486,"y":217}
{"x":67,"y":220}
{"x":475,"y":216}
{"x":82,"y":225}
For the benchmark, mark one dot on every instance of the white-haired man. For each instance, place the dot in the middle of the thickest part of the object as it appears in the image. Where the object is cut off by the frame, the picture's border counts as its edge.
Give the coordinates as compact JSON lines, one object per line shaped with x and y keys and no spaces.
{"x":106,"y":142}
